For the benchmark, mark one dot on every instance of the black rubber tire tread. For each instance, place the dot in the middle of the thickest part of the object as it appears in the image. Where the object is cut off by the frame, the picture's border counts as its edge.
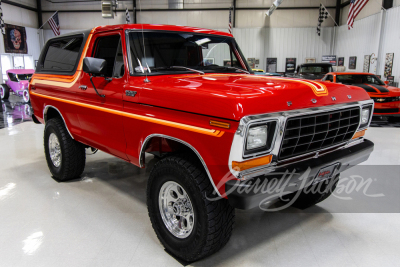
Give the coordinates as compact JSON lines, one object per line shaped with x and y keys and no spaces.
{"x":73,"y":153}
{"x":220,"y":216}
{"x":312,"y":197}
{"x":6,"y":91}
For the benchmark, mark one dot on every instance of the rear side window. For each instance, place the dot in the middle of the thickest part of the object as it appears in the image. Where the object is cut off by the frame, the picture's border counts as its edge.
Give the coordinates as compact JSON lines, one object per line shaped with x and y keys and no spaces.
{"x":62,"y":54}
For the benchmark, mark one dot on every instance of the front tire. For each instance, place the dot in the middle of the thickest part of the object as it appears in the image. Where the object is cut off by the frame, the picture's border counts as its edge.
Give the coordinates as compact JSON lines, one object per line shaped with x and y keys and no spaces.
{"x":65,"y":157}
{"x":26,"y":96}
{"x":4,"y":91}
{"x":188,"y":225}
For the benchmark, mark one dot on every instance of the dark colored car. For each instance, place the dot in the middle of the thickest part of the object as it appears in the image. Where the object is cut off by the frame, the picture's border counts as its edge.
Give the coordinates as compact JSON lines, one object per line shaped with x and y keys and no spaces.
{"x":311,"y":71}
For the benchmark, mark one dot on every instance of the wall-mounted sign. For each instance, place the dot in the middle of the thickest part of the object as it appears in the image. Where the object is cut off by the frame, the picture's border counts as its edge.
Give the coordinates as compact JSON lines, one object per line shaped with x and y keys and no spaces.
{"x":388,"y":64}
{"x":252,"y":62}
{"x":340,"y":61}
{"x":272,"y":64}
{"x":310,"y":59}
{"x":290,"y":65}
{"x":329,"y":59}
{"x":352,"y":63}
{"x":15,"y":39}
{"x":366,"y":63}
{"x":390,"y":78}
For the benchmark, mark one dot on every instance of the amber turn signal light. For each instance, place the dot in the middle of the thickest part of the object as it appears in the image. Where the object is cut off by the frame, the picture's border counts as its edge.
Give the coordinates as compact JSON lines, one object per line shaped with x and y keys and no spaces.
{"x":359,"y":134}
{"x":248,"y":164}
{"x":220,"y":124}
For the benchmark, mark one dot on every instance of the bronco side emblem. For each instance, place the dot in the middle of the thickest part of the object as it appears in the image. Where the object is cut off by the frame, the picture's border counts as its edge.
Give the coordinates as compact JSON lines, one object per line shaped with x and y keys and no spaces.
{"x":349,"y":96}
{"x":333,"y":98}
{"x":314,"y":100}
{"x":130,"y":93}
{"x":289,"y":103}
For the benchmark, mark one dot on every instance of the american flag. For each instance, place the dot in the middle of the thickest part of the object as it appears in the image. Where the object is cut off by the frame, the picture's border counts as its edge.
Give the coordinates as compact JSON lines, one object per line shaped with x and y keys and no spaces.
{"x":55,"y":23}
{"x":355,"y":8}
{"x":230,"y":21}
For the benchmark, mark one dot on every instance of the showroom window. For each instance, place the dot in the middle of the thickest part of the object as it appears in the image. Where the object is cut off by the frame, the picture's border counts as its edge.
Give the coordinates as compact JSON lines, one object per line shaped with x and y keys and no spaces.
{"x":109,"y":48}
{"x":62,"y":54}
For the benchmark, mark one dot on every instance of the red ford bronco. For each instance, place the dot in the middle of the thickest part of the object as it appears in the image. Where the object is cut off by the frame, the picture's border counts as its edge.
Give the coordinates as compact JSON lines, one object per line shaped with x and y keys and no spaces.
{"x":187,"y":95}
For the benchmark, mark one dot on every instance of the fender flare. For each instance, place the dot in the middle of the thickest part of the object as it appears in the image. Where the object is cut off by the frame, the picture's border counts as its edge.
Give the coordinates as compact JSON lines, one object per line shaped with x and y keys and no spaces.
{"x":149,"y":137}
{"x":46,"y":108}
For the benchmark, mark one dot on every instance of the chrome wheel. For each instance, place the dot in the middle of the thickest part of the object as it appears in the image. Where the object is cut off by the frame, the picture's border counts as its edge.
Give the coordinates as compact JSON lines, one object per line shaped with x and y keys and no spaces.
{"x":1,"y":92}
{"x":55,"y":150}
{"x":25,"y":96}
{"x":176,"y":209}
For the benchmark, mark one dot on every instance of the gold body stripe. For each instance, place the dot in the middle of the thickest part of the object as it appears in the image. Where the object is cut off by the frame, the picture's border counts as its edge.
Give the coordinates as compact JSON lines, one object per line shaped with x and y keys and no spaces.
{"x":178,"y":125}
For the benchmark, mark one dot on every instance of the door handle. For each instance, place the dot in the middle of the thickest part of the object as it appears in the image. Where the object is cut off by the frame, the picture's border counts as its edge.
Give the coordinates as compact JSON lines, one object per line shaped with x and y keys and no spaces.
{"x":83,"y":87}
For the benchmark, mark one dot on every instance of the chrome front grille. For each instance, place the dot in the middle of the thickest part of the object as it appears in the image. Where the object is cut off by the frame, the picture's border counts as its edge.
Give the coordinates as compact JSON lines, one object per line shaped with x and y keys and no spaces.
{"x":308,"y":133}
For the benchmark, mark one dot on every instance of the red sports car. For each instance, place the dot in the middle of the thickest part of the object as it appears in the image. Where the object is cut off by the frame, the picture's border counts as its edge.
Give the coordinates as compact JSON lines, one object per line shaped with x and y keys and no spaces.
{"x":386,"y":98}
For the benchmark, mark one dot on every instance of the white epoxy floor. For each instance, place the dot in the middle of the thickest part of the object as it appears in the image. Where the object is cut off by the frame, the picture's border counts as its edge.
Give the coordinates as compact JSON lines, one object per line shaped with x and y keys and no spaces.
{"x":101,"y":220}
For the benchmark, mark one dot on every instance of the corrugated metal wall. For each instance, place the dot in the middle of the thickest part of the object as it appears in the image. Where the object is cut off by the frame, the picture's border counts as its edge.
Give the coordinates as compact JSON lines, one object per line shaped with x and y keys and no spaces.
{"x":391,"y":41}
{"x":362,"y":40}
{"x":282,"y":43}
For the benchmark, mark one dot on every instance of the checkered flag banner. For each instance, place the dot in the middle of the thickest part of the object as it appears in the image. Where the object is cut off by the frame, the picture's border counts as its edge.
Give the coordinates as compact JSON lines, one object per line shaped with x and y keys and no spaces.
{"x":2,"y":26}
{"x":128,"y":18}
{"x":323,"y":15}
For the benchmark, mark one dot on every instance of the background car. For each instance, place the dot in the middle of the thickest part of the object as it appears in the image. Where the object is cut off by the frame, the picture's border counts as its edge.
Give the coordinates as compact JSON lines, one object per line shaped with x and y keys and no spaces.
{"x":262,"y":72}
{"x":17,"y":83}
{"x":311,"y":71}
{"x":386,"y":98}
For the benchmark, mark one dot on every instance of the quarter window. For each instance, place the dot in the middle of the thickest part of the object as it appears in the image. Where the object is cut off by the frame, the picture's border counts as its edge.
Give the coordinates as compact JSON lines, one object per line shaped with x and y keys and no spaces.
{"x":62,"y":54}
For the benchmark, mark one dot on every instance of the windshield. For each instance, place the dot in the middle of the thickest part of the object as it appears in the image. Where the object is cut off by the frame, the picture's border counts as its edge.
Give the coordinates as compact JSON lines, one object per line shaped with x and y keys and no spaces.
{"x":315,"y":69}
{"x":358,"y":79}
{"x":19,"y":77}
{"x":163,"y":50}
{"x":24,"y":77}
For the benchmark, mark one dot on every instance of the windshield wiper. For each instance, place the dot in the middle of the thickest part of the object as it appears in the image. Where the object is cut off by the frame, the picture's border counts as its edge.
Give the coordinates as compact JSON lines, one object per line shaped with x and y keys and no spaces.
{"x":177,"y":67}
{"x":242,"y":70}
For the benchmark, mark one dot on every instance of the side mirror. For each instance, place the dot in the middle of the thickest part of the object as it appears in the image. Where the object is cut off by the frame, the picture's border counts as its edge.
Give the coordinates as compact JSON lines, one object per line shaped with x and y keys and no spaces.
{"x":386,"y":82}
{"x":94,"y":66}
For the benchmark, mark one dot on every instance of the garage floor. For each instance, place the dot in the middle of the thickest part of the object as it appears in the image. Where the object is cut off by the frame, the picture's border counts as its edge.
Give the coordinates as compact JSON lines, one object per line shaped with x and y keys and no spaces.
{"x":101,"y":219}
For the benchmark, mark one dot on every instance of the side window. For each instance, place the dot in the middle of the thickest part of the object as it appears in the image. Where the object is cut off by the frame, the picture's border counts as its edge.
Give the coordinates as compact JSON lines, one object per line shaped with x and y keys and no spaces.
{"x":13,"y":77}
{"x":329,"y":78}
{"x":109,"y":48}
{"x":62,"y":54}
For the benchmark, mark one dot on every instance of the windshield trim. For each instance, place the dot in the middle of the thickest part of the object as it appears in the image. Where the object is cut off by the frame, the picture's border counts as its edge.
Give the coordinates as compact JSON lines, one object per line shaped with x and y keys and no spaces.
{"x":133,"y":73}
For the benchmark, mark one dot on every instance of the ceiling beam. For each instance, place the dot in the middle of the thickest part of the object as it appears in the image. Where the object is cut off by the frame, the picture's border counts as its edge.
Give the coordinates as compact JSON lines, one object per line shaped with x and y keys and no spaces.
{"x":11,"y":3}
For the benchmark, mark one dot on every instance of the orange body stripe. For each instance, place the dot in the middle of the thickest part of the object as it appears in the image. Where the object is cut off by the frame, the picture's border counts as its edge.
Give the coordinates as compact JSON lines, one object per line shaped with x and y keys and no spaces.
{"x":178,"y":125}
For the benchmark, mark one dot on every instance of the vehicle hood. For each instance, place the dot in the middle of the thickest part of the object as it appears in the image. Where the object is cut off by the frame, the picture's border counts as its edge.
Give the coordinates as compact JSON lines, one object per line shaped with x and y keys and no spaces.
{"x":379,"y":90}
{"x":232,"y":96}
{"x":23,"y":84}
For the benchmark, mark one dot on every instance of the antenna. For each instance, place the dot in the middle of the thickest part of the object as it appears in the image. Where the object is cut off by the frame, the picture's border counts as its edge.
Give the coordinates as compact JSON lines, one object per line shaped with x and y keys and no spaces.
{"x":144,"y":47}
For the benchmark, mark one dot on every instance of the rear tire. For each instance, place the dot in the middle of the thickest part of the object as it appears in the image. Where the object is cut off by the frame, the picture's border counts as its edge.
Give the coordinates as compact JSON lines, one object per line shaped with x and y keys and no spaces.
{"x":65,"y":157}
{"x":209,"y":227}
{"x":4,"y":91}
{"x":313,"y":194}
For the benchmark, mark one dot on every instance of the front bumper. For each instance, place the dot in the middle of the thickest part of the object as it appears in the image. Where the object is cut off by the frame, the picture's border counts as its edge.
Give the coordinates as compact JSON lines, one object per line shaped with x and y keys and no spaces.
{"x":387,"y":109}
{"x":244,"y":195}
